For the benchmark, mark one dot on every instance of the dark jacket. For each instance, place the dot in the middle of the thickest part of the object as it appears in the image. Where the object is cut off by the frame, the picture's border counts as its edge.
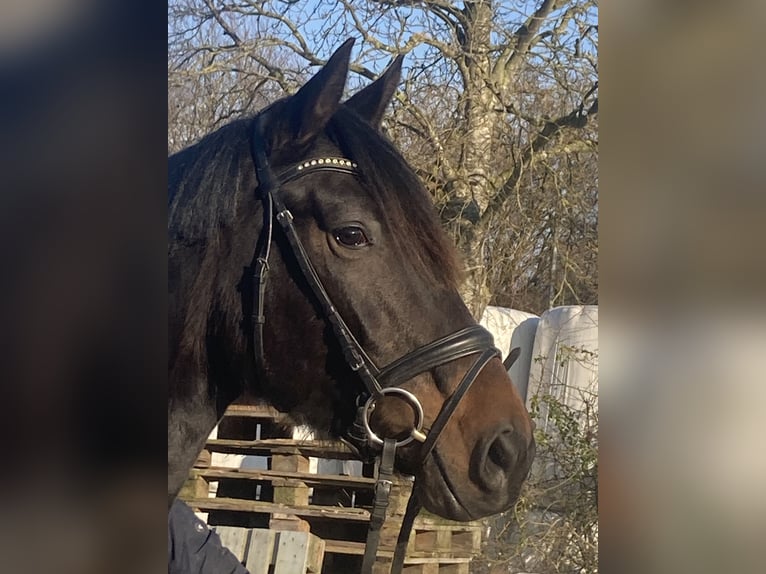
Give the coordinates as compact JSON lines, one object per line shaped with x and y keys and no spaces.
{"x":195,"y":549}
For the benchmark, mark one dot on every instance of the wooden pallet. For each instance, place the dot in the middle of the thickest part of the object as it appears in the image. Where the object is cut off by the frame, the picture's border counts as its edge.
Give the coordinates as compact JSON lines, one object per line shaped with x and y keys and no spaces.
{"x":414,"y":563}
{"x":239,"y":505}
{"x":289,"y":477}
{"x":284,"y":446}
{"x":284,"y":477}
{"x":273,"y":552}
{"x":436,"y":545}
{"x":440,"y":537}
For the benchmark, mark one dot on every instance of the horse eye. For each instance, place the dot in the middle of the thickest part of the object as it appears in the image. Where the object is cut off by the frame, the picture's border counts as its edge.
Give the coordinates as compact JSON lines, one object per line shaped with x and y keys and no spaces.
{"x":351,"y":237}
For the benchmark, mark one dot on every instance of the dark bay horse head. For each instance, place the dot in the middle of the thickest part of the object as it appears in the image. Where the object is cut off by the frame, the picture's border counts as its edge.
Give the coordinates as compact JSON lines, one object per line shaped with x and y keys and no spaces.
{"x":374,"y":240}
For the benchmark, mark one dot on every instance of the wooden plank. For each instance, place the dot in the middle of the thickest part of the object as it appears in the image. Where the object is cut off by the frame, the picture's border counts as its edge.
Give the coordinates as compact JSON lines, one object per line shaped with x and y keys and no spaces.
{"x":293,"y":492}
{"x":266,"y":447}
{"x":354,"y":482}
{"x":468,"y":541}
{"x":292,"y":553}
{"x":344,"y":547}
{"x":194,"y":487}
{"x":426,"y":518}
{"x":234,"y":538}
{"x":260,"y":554}
{"x":428,"y":522}
{"x":203,"y":459}
{"x":425,"y":541}
{"x":280,"y":521}
{"x":316,"y":555}
{"x":455,"y":569}
{"x":357,"y":548}
{"x":255,"y":411}
{"x":240,"y":505}
{"x":444,"y":540}
{"x":438,"y":560}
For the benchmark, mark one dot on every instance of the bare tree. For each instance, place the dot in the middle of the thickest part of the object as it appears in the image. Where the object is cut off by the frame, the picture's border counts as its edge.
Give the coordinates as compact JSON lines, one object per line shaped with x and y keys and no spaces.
{"x":497,"y":112}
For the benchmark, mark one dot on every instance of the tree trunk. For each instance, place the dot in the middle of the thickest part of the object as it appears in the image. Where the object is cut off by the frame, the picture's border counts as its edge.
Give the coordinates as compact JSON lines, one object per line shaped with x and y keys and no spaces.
{"x":474,"y":187}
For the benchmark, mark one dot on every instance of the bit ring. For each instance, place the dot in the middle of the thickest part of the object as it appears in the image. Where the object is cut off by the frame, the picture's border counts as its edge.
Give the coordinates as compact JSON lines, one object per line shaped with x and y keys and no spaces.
{"x":417,"y":431}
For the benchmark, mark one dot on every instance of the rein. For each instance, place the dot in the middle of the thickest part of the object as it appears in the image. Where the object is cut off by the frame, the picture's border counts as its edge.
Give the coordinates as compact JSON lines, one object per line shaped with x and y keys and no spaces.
{"x":376,"y":382}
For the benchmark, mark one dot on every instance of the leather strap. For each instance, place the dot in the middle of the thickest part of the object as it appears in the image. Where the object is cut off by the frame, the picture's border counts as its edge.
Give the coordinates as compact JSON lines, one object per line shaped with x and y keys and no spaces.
{"x":467,"y":341}
{"x":380,"y":504}
{"x":451,"y":404}
{"x":269,"y":187}
{"x":260,"y":267}
{"x":352,"y":351}
{"x":413,"y":509}
{"x":511,"y":358}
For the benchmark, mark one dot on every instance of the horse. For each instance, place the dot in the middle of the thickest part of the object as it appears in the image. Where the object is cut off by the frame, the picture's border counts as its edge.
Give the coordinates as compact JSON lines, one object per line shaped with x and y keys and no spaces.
{"x":303,"y":252}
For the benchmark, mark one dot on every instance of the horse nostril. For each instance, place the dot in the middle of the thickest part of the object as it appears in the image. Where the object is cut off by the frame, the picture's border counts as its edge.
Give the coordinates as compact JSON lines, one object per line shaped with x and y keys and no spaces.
{"x":501,"y":450}
{"x":496,"y":460}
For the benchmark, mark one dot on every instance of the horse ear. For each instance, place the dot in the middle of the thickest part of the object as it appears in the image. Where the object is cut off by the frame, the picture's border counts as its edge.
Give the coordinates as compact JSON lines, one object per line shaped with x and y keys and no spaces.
{"x":371,"y":102}
{"x":315,"y":103}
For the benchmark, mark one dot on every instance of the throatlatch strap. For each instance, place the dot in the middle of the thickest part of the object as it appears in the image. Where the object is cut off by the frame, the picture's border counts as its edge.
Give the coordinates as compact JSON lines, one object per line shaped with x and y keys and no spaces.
{"x":260,"y":268}
{"x":380,"y":503}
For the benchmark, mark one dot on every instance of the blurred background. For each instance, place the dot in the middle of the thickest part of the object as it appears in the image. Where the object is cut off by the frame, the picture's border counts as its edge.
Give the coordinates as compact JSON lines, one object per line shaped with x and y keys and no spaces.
{"x":82,"y":286}
{"x":682,"y":273}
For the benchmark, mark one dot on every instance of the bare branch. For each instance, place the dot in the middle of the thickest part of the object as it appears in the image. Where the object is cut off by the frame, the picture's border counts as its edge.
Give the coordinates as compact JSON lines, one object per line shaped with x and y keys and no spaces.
{"x":524,"y":36}
{"x":226,"y":28}
{"x":575,"y":119}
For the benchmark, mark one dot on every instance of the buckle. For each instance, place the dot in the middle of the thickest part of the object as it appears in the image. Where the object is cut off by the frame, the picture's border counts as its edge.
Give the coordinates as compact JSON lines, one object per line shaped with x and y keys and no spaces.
{"x":285,"y":217}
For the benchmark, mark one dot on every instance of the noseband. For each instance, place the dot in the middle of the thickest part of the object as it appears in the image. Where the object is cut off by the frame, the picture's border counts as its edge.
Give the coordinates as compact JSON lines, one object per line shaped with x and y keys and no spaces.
{"x":376,"y":382}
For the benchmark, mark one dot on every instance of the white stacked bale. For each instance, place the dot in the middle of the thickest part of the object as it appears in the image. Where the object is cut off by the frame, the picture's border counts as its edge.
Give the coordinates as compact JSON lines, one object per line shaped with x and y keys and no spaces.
{"x":512,"y":328}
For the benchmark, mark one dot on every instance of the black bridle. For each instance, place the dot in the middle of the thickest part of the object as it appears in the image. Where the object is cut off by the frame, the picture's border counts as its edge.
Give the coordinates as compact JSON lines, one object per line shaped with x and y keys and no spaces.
{"x":377,"y":382}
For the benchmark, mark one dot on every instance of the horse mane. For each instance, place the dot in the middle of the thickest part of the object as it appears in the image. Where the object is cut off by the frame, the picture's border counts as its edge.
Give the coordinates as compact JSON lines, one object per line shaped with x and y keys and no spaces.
{"x":206,"y":182}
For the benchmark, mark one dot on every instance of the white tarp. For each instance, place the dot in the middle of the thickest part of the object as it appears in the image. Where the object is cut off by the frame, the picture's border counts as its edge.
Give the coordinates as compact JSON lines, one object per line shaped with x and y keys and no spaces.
{"x":564,"y":375}
{"x":513,"y":328}
{"x":565,"y":356}
{"x":501,"y":322}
